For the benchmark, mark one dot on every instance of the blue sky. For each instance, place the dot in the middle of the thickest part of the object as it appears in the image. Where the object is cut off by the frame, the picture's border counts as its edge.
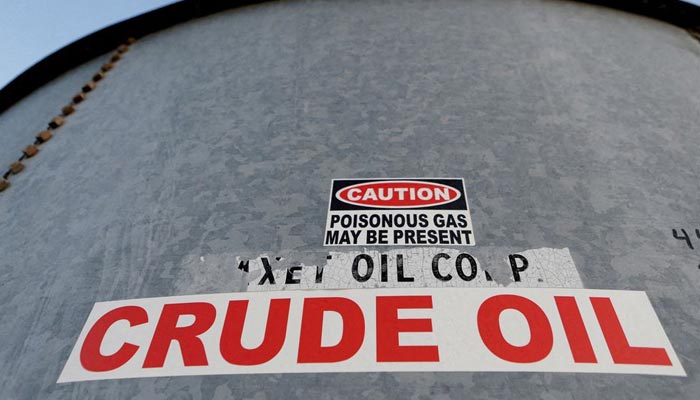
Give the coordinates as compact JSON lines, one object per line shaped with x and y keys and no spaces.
{"x":32,"y":29}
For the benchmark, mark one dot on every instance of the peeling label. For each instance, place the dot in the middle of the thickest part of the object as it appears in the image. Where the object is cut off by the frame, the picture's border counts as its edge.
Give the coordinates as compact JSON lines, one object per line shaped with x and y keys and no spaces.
{"x":412,"y":268}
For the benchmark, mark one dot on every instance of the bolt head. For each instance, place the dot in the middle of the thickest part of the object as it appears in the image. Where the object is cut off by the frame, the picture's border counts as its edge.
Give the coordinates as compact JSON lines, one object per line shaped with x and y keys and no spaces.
{"x":44,"y":136}
{"x":16,"y":167}
{"x":31,"y":151}
{"x":78,"y":98}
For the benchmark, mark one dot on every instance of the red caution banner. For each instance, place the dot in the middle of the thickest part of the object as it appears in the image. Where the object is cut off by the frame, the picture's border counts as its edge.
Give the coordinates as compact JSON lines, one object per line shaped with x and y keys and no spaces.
{"x":451,"y":329}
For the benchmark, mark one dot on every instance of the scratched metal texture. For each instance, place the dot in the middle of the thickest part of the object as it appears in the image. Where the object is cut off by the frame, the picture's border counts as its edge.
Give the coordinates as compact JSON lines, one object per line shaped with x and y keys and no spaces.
{"x":573,"y":125}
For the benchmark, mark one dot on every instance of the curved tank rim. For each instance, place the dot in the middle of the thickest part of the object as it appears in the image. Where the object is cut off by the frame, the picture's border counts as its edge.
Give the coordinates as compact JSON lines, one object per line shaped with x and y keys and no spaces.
{"x":675,"y":12}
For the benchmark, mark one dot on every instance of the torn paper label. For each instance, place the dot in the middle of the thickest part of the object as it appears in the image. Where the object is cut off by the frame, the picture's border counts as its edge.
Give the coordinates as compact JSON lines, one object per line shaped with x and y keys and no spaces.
{"x":419,"y":267}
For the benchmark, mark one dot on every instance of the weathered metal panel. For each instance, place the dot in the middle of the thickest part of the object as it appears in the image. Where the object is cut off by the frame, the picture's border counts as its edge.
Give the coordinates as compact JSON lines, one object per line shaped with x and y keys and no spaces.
{"x":573,"y":126}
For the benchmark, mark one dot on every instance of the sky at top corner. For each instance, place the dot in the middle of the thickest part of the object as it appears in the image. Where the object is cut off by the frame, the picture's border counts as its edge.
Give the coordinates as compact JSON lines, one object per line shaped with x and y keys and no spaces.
{"x":31,"y":30}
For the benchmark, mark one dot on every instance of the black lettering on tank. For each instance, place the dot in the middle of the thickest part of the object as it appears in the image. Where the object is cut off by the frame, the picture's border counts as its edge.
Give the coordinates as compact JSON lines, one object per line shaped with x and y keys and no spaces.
{"x":399,"y":270}
{"x":514,"y":265}
{"x":460,"y":269}
{"x":269,"y":276}
{"x":436,"y":267}
{"x":356,"y":265}
{"x":291,"y":278}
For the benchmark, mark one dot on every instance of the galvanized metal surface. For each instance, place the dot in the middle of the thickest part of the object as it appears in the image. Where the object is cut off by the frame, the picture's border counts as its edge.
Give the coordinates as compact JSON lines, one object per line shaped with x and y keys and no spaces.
{"x":573,"y":126}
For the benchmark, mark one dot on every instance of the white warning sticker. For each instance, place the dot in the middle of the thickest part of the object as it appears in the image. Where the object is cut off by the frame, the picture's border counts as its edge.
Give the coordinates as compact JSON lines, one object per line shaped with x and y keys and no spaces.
{"x":451,"y":329}
{"x":385,"y":212}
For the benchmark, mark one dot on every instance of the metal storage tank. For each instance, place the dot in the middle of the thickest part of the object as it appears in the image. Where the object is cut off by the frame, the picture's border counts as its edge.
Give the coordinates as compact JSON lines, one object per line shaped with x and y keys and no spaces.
{"x":211,"y":145}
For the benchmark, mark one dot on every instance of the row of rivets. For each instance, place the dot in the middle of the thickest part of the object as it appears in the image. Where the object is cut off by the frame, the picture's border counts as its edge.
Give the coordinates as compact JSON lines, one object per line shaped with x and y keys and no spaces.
{"x":30,"y":151}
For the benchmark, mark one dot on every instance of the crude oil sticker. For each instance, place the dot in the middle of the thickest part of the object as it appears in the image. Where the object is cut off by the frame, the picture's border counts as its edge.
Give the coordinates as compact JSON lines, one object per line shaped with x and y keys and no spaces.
{"x":370,"y":330}
{"x":387,"y":212}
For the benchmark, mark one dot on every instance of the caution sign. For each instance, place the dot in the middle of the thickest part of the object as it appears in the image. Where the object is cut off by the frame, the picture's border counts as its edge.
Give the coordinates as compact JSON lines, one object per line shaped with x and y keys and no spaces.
{"x":371,"y":330}
{"x":390,"y":212}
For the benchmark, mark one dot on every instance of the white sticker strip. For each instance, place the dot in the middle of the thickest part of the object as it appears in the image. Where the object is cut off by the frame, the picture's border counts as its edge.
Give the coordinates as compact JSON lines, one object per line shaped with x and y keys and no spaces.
{"x":544,"y":267}
{"x":557,"y":330}
{"x":415,"y":268}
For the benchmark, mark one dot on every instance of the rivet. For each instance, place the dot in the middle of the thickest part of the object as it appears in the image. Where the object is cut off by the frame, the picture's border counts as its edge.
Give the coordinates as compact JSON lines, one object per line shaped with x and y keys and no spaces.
{"x":56,"y":122}
{"x":88,"y":87}
{"x":4,"y":185}
{"x":98,"y":76}
{"x":67,"y":110}
{"x":115,"y":58}
{"x":78,"y":98}
{"x":31,"y":151}
{"x":16,"y":167}
{"x":106,"y":67}
{"x":44,"y":136}
{"x":122,"y":48}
